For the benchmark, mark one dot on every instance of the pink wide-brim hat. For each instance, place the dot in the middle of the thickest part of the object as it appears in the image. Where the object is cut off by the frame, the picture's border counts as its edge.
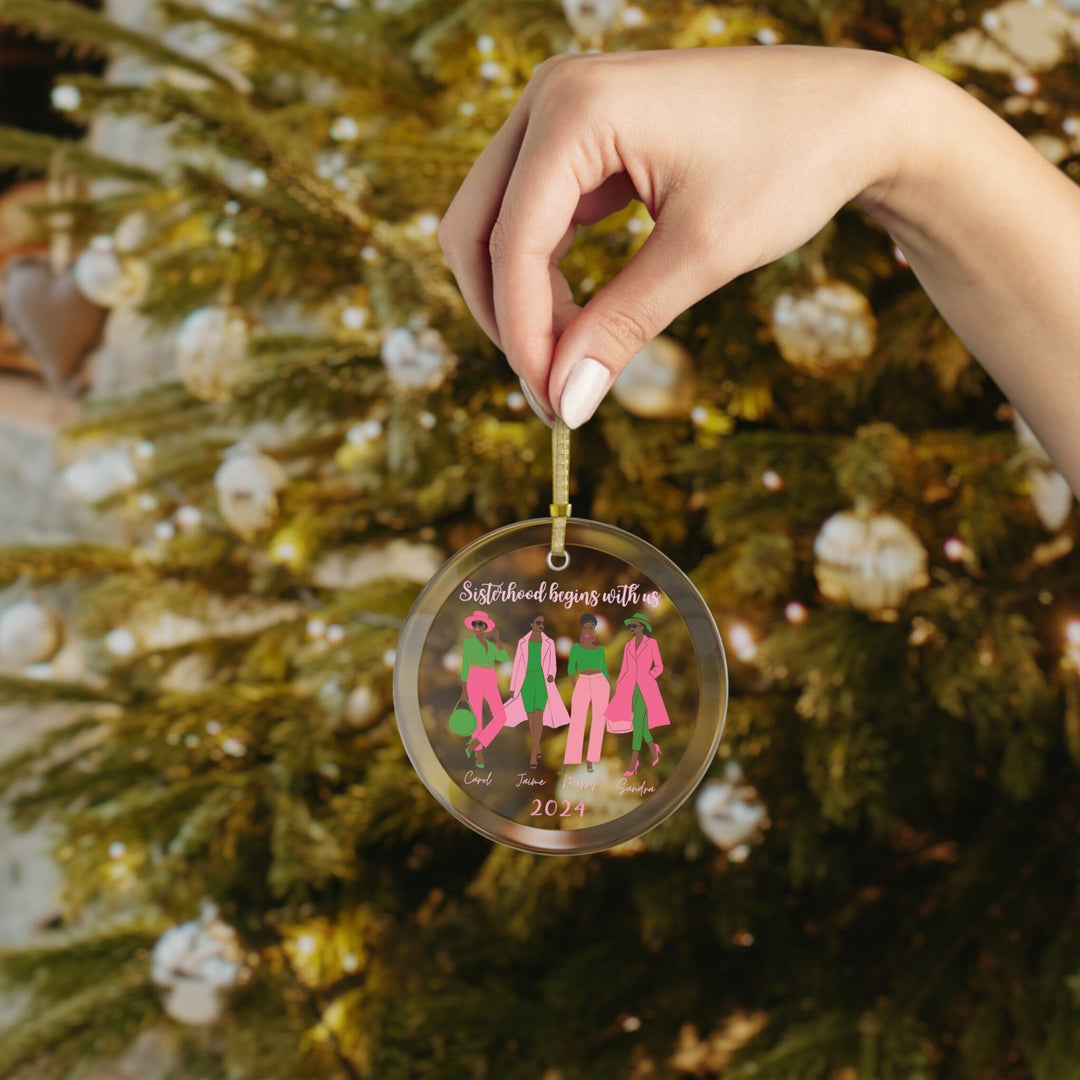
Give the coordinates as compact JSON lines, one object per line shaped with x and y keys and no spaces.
{"x":478,"y":616}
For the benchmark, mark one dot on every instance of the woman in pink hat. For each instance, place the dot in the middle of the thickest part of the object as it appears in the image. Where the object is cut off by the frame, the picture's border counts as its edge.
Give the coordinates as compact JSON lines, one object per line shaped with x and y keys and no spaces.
{"x":479,"y":683}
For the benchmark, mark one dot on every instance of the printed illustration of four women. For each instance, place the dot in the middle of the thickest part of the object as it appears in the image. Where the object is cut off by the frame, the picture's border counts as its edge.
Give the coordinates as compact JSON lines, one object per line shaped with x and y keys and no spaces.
{"x":635,"y":708}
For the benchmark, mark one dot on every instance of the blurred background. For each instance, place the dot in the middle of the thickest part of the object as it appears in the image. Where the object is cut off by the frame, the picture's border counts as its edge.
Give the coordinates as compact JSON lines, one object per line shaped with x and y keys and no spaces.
{"x":245,"y":415}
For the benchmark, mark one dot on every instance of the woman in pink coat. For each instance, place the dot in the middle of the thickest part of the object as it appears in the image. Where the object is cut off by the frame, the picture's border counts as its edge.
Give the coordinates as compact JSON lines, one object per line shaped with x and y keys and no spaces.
{"x":637,"y":705}
{"x":533,"y":694}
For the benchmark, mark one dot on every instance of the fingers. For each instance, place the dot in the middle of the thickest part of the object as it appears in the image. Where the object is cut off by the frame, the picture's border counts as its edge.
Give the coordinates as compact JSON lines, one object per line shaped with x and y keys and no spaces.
{"x":668,"y":274}
{"x":465,"y":229}
{"x":536,"y":216}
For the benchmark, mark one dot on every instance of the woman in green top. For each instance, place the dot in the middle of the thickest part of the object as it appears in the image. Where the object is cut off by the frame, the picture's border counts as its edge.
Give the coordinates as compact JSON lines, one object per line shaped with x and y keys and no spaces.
{"x":479,"y":683}
{"x":588,"y":673}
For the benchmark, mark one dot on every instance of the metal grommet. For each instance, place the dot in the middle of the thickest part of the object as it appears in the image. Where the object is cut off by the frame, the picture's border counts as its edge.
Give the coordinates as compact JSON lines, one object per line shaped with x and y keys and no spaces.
{"x":565,"y":563}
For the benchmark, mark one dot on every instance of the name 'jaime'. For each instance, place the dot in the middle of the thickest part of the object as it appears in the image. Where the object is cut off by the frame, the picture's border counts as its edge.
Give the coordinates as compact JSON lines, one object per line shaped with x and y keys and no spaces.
{"x":524,"y":780}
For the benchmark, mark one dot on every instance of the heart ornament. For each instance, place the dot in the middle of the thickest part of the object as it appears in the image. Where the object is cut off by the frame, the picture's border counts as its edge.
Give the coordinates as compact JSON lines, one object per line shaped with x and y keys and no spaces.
{"x":51,"y":318}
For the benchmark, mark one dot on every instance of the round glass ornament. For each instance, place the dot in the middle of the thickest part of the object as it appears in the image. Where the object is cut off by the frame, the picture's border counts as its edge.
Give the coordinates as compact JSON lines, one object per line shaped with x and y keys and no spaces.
{"x":598,"y":683}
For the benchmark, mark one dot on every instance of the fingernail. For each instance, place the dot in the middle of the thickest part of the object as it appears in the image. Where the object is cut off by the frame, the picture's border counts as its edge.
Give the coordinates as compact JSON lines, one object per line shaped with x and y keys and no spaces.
{"x":584,"y":390}
{"x":535,"y":405}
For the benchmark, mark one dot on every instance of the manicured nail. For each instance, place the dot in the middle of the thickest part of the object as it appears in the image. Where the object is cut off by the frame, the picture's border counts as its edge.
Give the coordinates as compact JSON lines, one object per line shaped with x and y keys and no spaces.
{"x":585,"y":389}
{"x":535,"y":405}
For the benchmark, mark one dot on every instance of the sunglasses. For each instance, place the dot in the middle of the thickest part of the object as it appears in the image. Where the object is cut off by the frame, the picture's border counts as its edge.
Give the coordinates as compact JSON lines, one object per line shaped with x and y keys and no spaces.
{"x":633,"y":625}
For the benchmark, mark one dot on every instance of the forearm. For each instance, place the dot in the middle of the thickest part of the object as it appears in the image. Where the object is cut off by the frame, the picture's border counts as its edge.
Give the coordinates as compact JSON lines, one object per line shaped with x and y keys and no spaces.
{"x":992,"y":231}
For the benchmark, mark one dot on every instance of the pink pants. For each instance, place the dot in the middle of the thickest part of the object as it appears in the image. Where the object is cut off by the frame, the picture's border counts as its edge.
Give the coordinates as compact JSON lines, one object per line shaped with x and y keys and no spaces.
{"x":483,"y":685}
{"x":590,"y":689}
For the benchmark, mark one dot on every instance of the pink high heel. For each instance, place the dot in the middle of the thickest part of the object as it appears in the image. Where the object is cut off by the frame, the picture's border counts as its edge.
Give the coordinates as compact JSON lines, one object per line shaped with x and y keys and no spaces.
{"x":633,"y":771}
{"x":656,"y":756}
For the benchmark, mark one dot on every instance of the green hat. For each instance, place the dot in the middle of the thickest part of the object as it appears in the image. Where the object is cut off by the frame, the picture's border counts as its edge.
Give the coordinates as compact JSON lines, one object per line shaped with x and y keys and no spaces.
{"x":638,"y":617}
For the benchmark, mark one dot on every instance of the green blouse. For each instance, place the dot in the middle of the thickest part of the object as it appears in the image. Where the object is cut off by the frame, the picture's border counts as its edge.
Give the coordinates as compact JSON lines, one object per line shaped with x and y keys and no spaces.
{"x":581,"y":657}
{"x":473,"y":654}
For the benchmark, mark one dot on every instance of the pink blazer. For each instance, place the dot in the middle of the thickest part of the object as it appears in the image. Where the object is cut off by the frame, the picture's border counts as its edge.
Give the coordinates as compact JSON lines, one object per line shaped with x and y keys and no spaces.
{"x":555,"y":714}
{"x":639,"y":668}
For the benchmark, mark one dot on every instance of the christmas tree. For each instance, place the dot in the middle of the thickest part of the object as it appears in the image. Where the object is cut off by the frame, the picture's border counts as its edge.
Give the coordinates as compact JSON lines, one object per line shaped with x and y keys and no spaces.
{"x":879,"y":878}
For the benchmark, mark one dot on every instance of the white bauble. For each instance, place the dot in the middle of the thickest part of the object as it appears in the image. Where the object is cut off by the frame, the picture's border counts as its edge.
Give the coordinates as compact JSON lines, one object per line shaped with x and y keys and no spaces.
{"x":591,"y":18}
{"x":197,"y":961}
{"x":247,"y":485}
{"x":415,"y":361}
{"x":212,"y":350}
{"x":30,"y":633}
{"x":871,"y":562}
{"x":132,"y":232}
{"x":1051,"y":496}
{"x":363,"y":706}
{"x":729,"y":813}
{"x":658,"y":383}
{"x":101,"y":476}
{"x":352,"y":567}
{"x":105,"y":278}
{"x":829,"y":331}
{"x":193,"y":1002}
{"x":1050,"y":491}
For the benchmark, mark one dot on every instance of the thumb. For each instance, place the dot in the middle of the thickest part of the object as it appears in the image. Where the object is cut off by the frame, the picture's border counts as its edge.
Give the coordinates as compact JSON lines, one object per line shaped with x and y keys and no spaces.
{"x":661,"y":281}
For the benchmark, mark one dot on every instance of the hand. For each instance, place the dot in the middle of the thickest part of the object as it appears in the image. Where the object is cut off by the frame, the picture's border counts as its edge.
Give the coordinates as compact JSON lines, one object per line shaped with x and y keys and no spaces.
{"x":551,"y":678}
{"x":739,"y":154}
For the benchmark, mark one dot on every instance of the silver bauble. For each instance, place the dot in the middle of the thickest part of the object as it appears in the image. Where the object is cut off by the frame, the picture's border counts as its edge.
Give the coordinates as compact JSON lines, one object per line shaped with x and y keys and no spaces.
{"x":212,"y":351}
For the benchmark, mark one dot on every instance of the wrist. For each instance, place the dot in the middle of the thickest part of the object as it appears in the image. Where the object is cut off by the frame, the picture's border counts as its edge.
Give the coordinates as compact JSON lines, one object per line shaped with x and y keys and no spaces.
{"x":905,"y":113}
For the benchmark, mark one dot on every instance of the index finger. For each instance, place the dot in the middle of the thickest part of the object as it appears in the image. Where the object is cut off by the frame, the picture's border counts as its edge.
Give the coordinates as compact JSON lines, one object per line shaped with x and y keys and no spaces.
{"x":465,"y":230}
{"x":551,"y":175}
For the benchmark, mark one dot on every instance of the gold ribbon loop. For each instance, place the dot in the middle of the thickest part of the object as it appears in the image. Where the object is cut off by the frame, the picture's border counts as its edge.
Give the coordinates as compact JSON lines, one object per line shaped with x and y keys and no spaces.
{"x":560,"y":494}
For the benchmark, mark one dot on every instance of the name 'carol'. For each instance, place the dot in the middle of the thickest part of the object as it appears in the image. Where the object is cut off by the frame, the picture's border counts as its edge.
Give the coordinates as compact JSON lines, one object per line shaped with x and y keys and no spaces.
{"x":473,"y":778}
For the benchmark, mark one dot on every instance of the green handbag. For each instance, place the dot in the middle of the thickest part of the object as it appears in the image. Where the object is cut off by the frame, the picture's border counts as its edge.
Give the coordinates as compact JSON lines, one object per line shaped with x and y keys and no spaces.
{"x":462,"y":720}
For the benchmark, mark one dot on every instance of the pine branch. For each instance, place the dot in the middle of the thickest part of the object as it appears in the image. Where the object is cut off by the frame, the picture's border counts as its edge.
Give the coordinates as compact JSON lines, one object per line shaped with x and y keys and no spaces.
{"x":90,"y":31}
{"x":39,"y":152}
{"x":120,"y":998}
{"x":374,"y":65}
{"x":44,"y":563}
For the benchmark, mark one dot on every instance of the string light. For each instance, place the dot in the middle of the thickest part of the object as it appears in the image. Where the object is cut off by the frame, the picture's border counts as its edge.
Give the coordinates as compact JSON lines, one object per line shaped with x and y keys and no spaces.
{"x":772,"y":480}
{"x":188,"y":517}
{"x":795,"y":613}
{"x":955,"y":549}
